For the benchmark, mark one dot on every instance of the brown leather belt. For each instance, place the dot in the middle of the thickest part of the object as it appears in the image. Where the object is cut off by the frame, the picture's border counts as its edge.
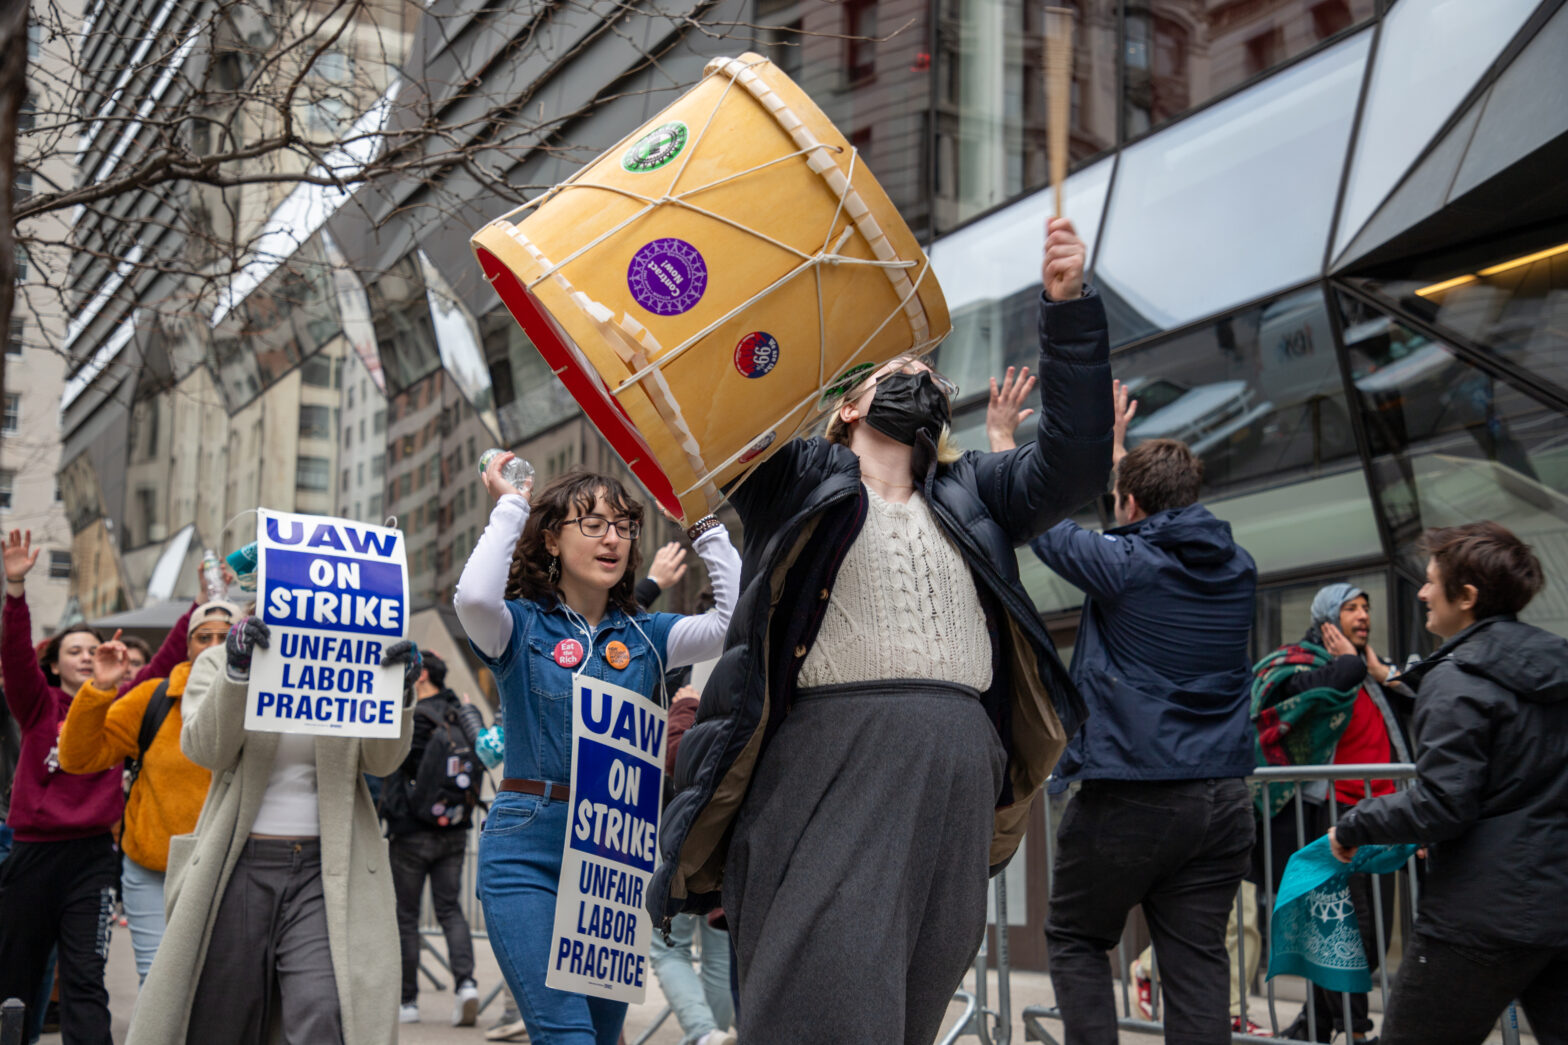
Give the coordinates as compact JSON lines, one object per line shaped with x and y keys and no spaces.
{"x":554,"y":792}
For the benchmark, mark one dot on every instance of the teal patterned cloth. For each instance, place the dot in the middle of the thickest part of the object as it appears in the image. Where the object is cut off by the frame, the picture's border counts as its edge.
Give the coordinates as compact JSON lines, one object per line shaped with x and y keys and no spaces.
{"x":1315,"y":932}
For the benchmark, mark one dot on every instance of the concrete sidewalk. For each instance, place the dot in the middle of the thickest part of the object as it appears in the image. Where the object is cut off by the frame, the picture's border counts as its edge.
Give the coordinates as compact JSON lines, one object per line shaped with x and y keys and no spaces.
{"x":435,"y":1028}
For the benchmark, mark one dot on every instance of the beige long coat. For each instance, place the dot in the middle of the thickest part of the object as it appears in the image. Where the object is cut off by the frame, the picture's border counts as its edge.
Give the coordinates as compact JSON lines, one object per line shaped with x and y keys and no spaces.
{"x":356,"y":881}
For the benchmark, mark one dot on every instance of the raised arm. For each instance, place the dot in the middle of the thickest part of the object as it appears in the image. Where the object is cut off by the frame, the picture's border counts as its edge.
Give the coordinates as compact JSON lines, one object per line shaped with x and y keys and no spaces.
{"x":172,"y":652}
{"x":26,"y":688}
{"x":480,"y":597}
{"x":1092,"y":562}
{"x":1029,"y":489}
{"x":701,"y":636}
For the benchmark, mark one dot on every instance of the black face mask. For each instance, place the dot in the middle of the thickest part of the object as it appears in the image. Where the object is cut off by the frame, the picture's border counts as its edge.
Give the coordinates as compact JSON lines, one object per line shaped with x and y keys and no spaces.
{"x":906,"y":403}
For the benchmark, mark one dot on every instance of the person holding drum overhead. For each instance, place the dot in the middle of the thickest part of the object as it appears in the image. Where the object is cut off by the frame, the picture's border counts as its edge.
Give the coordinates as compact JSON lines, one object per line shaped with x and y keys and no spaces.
{"x":888,"y":703}
{"x":548,"y":592}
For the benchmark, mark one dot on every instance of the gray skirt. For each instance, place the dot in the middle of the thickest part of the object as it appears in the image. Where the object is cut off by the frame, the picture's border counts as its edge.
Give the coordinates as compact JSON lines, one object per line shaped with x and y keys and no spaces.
{"x":855,"y":884}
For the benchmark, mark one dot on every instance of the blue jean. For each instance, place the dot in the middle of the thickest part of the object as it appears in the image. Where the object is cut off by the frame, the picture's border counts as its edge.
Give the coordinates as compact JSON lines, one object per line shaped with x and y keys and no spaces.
{"x":141,"y":891}
{"x":701,"y":1004}
{"x":519,"y":868}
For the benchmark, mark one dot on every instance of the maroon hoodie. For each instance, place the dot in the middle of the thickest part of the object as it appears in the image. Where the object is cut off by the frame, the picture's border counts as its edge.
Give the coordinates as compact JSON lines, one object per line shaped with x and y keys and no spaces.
{"x":47,"y":803}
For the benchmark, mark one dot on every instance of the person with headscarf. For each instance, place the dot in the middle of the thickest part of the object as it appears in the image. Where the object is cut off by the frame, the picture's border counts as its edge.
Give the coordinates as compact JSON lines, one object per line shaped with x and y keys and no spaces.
{"x":1329,"y":699}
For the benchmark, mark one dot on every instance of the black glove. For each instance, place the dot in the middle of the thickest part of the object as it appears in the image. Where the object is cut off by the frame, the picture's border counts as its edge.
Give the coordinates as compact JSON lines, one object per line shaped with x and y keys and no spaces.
{"x":247,"y":634}
{"x":405,"y":653}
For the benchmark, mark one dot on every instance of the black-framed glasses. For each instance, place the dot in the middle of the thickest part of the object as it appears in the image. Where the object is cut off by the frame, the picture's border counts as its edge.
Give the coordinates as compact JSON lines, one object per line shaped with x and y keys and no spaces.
{"x":596,"y":526}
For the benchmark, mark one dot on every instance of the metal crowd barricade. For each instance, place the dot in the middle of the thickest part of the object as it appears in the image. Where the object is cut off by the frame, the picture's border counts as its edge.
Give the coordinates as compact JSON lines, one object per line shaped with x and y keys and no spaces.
{"x":1266,"y":778}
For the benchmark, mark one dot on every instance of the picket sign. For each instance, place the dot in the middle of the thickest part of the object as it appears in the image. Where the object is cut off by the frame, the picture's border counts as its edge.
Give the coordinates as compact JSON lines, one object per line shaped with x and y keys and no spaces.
{"x":602,"y":933}
{"x":335,"y":594}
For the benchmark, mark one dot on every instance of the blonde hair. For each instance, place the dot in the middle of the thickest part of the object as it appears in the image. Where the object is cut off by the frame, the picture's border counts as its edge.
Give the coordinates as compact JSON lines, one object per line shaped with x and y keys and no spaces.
{"x":947,"y":451}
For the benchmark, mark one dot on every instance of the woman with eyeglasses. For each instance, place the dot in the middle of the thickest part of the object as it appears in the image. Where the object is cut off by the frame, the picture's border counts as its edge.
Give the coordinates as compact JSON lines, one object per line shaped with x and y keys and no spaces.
{"x":869,"y":745}
{"x":548,"y":593}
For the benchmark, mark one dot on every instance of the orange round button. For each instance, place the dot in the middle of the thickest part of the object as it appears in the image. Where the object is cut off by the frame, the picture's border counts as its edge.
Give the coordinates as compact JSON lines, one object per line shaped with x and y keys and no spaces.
{"x":617,"y":655}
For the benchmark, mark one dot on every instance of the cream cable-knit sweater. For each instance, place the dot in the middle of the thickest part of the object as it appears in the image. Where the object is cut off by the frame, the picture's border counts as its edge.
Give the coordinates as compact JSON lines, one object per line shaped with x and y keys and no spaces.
{"x":904,"y":606}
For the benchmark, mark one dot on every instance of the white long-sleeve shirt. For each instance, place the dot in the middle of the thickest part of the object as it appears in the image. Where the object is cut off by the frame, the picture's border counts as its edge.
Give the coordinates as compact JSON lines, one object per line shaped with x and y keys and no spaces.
{"x":480,"y":598}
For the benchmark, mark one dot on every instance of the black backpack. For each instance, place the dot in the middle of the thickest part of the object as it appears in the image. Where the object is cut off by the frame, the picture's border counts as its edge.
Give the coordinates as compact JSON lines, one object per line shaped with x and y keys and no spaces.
{"x":158,"y":707}
{"x":445,"y":786}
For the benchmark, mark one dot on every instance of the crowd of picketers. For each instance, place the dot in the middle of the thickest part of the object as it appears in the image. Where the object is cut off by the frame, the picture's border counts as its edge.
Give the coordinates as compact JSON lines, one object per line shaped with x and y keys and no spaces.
{"x":878,"y":706}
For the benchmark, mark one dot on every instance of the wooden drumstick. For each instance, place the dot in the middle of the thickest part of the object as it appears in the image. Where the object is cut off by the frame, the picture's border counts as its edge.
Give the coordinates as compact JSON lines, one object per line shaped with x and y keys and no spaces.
{"x":1058,"y":92}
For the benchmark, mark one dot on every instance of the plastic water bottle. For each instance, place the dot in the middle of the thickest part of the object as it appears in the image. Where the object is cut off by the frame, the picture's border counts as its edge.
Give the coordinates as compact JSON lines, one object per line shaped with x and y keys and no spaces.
{"x":212,"y":581}
{"x":491,"y":746}
{"x":516,"y":471}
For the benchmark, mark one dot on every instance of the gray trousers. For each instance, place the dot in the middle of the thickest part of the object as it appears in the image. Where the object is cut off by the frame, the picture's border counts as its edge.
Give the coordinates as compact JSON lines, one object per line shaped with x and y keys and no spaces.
{"x":269,"y":959}
{"x":855,"y":883}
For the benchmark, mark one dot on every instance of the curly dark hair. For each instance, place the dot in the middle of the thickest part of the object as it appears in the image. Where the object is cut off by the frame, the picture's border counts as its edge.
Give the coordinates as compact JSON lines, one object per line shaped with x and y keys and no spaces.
{"x":51,"y":654}
{"x":529,"y":577}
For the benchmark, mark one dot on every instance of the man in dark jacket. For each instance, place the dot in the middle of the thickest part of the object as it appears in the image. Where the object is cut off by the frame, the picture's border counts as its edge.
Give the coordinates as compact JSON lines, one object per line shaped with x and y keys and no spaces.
{"x":1490,"y":802}
{"x":1162,"y":816}
{"x":419,"y":849}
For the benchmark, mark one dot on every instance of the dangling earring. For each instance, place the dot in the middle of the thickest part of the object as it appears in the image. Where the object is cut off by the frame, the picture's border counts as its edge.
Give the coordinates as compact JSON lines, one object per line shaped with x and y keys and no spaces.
{"x":555,"y":569}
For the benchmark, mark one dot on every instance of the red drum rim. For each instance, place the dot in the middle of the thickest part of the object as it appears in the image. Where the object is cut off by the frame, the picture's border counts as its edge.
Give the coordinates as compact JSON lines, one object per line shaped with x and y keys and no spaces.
{"x":584,"y":384}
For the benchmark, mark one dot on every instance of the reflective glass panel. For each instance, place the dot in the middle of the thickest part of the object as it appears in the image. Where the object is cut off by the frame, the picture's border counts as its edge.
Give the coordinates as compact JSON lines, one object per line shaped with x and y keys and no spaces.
{"x":400,"y":312}
{"x":1232,"y":203}
{"x":868,"y":66}
{"x":1516,"y":307}
{"x":528,"y":398}
{"x":1453,"y":444}
{"x":1304,"y":524}
{"x":1179,"y":54}
{"x":991,"y":109}
{"x":1430,"y":54}
{"x":990,"y":275}
{"x":457,"y":338}
{"x":1258,"y":394}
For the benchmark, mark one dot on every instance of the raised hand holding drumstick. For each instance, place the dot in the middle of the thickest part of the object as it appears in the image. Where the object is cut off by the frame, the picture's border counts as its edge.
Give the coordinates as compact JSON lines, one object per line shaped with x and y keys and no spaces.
{"x":1062,"y":270}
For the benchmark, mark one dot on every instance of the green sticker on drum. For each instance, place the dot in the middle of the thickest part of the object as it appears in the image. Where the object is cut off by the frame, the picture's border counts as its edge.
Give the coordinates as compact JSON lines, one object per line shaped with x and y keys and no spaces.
{"x":656,"y":148}
{"x":845,"y":381}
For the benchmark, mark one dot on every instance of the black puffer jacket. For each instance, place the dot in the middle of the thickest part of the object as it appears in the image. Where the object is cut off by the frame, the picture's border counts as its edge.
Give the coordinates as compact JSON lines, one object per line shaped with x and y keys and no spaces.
{"x":1491,"y":797}
{"x":802,"y":510}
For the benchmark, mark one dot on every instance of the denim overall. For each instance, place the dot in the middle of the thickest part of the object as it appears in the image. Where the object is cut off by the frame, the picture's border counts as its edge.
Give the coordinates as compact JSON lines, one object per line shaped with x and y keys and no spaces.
{"x":520,"y":846}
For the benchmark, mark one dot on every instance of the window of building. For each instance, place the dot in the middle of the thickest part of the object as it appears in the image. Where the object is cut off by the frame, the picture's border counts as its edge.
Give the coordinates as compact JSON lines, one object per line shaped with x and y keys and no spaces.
{"x":13,"y":343}
{"x":375,"y":510}
{"x":26,"y":116}
{"x":362,"y":429}
{"x":378,"y":466}
{"x":1178,"y":58}
{"x":313,"y":474}
{"x":21,"y":263}
{"x":351,"y":397}
{"x":860,"y":30}
{"x":7,"y":478}
{"x":1206,"y":216}
{"x":12,"y":418}
{"x":59,"y":566}
{"x":315,"y":421}
{"x":343,"y":486}
{"x":147,"y":509}
{"x":22,"y":184}
{"x":379,"y":422}
{"x":35,"y":37}
{"x":348,"y":437}
{"x":316,"y":372}
{"x":359,"y":473}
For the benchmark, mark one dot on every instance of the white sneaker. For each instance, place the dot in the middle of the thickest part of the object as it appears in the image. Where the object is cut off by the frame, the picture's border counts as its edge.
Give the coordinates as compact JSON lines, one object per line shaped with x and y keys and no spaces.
{"x":408,"y":1013}
{"x":467,"y":1009}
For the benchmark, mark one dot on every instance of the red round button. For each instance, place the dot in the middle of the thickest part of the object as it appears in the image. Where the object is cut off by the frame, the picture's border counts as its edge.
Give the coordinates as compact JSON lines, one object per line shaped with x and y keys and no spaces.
{"x":568,"y":653}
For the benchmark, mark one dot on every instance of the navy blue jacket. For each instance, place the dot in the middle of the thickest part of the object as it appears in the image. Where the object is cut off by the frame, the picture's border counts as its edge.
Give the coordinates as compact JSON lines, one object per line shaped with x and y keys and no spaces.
{"x":1161,"y":659}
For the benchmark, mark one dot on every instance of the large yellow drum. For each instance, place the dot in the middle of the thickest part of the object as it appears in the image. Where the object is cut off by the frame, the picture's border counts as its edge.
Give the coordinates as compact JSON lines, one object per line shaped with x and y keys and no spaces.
{"x":704,"y":286}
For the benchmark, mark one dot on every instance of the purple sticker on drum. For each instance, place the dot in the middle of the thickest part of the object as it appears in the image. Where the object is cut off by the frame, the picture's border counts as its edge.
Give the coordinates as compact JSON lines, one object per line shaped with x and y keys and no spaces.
{"x":757,"y":354}
{"x":667,"y":277}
